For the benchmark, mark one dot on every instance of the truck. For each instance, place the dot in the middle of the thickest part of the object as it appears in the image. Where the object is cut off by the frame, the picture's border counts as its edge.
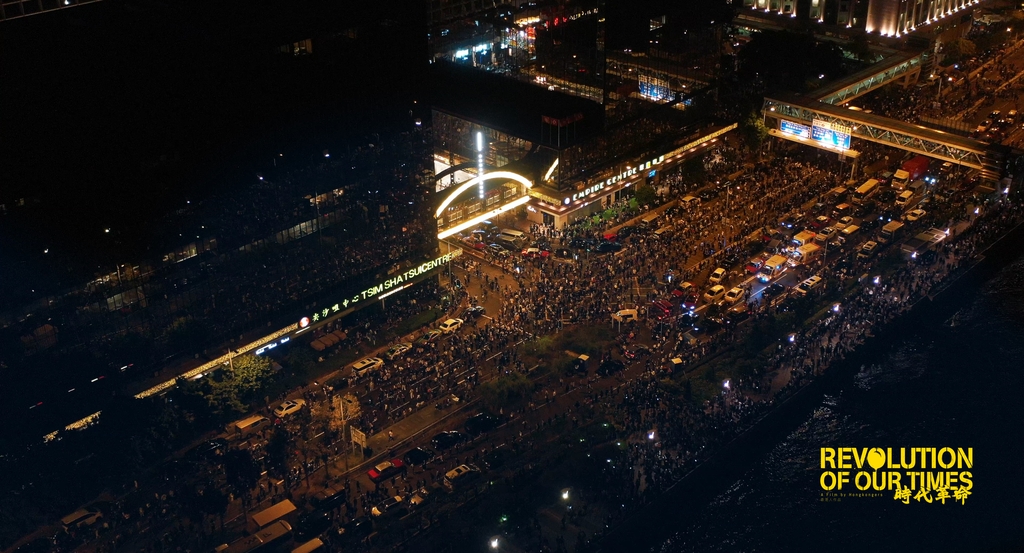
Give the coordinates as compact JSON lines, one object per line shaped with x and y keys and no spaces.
{"x":924,"y":241}
{"x":775,"y":266}
{"x":891,"y":231}
{"x":915,"y":167}
{"x":803,"y":237}
{"x":900,"y":179}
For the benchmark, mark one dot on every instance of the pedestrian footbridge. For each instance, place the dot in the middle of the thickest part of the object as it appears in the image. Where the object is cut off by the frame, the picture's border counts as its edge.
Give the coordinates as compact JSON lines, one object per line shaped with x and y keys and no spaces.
{"x":967,"y":152}
{"x":904,"y":67}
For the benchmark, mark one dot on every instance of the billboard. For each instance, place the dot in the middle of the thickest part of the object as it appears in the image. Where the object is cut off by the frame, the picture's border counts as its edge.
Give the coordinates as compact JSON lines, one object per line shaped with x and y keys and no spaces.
{"x":831,"y":135}
{"x":789,"y":127}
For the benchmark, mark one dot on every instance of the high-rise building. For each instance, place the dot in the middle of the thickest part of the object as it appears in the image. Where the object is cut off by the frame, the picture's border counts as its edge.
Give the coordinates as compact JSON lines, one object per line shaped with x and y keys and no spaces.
{"x":898,"y":17}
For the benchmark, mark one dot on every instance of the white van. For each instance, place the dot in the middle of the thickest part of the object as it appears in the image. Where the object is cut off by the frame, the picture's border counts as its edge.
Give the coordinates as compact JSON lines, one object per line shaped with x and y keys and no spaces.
{"x":649,"y":218}
{"x":252,"y":424}
{"x":512,"y":235}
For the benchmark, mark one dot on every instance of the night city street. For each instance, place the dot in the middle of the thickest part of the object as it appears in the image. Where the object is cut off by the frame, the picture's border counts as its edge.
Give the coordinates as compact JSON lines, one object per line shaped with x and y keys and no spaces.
{"x":478,"y":276}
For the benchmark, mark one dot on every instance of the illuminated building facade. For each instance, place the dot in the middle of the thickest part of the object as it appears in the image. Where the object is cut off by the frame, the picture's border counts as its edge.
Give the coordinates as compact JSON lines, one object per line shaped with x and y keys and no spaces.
{"x":899,"y":17}
{"x":832,"y":12}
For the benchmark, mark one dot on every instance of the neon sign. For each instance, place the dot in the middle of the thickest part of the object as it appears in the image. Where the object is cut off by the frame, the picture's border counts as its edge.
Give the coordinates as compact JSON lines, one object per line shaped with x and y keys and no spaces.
{"x":398,"y":281}
{"x":591,"y":190}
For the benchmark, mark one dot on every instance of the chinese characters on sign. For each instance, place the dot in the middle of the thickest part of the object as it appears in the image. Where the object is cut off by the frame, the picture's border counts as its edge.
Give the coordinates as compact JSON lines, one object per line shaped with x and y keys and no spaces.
{"x":393,"y":282}
{"x":924,"y":474}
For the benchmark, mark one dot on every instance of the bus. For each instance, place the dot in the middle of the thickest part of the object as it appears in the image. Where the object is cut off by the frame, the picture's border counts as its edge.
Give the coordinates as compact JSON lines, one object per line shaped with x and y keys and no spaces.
{"x":865,"y":191}
{"x":263,"y":540}
{"x":284,"y":509}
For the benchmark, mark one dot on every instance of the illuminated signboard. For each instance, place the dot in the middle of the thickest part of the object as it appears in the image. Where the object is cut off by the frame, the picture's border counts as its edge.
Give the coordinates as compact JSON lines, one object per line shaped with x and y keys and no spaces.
{"x":381,"y":289}
{"x":789,"y":127}
{"x":831,"y":135}
{"x":594,"y":189}
{"x":654,"y":90}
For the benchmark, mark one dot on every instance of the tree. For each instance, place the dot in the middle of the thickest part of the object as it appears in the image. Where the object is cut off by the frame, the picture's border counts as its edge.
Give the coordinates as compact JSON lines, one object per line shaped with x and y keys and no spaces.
{"x":241,"y":473}
{"x":754,"y":131}
{"x":958,"y":50}
{"x":694,"y":171}
{"x":277,"y":450}
{"x":645,"y":195}
{"x":249,"y":375}
{"x":505,"y":391}
{"x":185,"y":334}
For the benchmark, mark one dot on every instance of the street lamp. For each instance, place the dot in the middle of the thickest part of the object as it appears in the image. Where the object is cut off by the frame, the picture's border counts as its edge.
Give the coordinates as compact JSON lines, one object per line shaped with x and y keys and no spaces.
{"x":494,"y":543}
{"x":565,"y":494}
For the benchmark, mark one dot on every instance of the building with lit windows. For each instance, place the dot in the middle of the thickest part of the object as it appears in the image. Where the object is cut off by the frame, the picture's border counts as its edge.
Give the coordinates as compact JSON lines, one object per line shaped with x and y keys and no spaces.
{"x":899,"y":17}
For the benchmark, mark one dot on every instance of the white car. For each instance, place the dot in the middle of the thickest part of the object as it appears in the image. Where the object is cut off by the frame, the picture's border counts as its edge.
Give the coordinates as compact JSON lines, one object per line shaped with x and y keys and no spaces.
{"x":715,"y":293}
{"x":625,"y":315}
{"x":288,"y":407}
{"x":451,"y":325}
{"x":365,"y":365}
{"x":717,"y":276}
{"x":397,"y":349}
{"x":867,"y":249}
{"x":733,"y":296}
{"x":915,"y":214}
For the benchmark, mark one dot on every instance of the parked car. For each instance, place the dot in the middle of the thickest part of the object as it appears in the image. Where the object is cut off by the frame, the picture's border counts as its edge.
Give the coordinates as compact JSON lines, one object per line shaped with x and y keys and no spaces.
{"x":382,"y":471}
{"x":820,"y":222}
{"x":419,"y":497}
{"x":447,"y":440}
{"x":327,"y":499}
{"x":532,"y":253}
{"x":480,"y":423}
{"x":418,"y":457}
{"x":608,"y":247}
{"x":867,"y":249}
{"x":366,"y":365}
{"x":388,"y":504}
{"x":311,"y":525}
{"x":356,"y":529}
{"x":733,"y":296}
{"x":714,"y":294}
{"x":717,"y":276}
{"x":288,"y":407}
{"x":429,"y":336}
{"x":208,"y":450}
{"x":397,"y":349}
{"x":473,"y":312}
{"x":915,"y":215}
{"x":451,"y":325}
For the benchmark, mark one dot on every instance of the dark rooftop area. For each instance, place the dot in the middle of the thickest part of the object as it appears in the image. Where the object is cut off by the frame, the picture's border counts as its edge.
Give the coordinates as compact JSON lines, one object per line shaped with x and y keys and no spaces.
{"x":509,"y":105}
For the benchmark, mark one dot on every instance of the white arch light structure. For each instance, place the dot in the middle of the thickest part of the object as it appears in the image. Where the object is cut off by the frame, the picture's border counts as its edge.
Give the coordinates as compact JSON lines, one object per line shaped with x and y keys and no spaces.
{"x":477,"y":180}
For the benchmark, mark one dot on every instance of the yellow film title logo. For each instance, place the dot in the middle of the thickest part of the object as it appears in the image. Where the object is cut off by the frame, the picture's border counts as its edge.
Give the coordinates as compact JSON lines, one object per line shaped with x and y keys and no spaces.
{"x":908,"y":472}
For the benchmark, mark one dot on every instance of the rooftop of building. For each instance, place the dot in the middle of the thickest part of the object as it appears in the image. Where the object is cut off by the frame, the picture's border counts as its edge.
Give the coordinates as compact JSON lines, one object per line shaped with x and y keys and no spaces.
{"x":512,"y":106}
